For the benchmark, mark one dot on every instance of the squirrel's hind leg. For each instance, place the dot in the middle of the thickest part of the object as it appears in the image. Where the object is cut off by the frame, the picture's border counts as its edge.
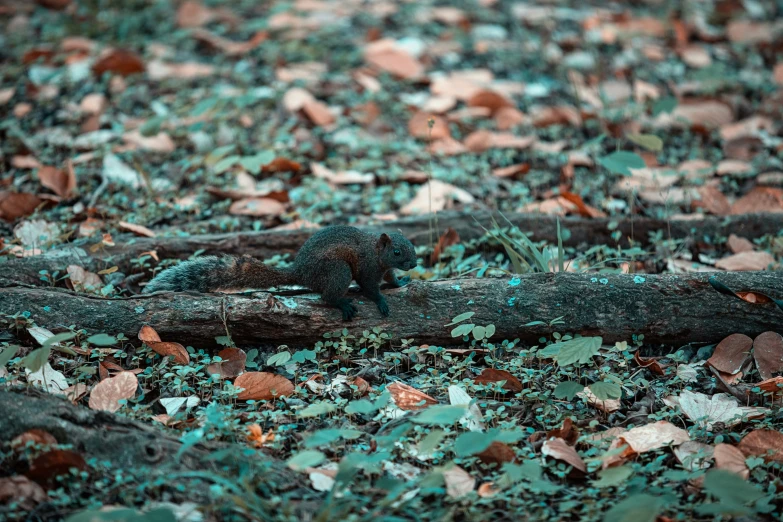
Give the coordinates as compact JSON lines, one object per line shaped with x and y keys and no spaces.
{"x":335,"y":285}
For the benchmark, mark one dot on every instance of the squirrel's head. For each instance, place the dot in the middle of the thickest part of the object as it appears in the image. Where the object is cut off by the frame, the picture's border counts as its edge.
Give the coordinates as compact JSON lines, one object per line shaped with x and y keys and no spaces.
{"x":395,"y":251}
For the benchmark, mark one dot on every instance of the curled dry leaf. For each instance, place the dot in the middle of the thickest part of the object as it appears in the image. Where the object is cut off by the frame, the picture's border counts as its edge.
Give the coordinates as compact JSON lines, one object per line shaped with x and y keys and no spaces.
{"x":231,"y":365}
{"x":150,"y":337}
{"x":512,"y":171}
{"x":139,"y":230}
{"x":257,"y":437}
{"x":263,"y":386}
{"x":409,"y":398}
{"x":226,"y":46}
{"x":651,"y":363}
{"x":106,"y":394}
{"x":558,"y":449}
{"x":449,"y":238}
{"x":487,"y":489}
{"x":490,"y":375}
{"x":84,"y":280}
{"x":608,"y":406}
{"x":14,"y":205}
{"x":731,"y":459}
{"x":746,"y":261}
{"x":763,"y":443}
{"x":52,"y":464}
{"x":257,"y":207}
{"x":419,"y":126}
{"x":119,"y":61}
{"x":568,"y":432}
{"x":731,"y":353}
{"x":458,"y":482}
{"x":768,"y":353}
{"x":60,"y":181}
{"x":442,"y":193}
{"x":653,"y":436}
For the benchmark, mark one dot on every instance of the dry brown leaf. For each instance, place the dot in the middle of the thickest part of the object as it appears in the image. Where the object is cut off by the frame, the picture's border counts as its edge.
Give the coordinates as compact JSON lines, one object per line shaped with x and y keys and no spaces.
{"x":777,"y":73}
{"x":409,"y":398}
{"x":696,"y":169}
{"x":48,"y":466}
{"x":698,"y":115}
{"x":231,"y":365}
{"x":106,"y":394}
{"x":394,"y":61}
{"x":93,"y":103}
{"x":347,"y":177}
{"x":739,"y":244}
{"x":512,"y":171}
{"x":713,"y":200}
{"x":483,"y":140}
{"x":733,"y":167}
{"x":441,"y":195}
{"x":25,"y":162}
{"x":14,"y":205}
{"x":731,"y":353}
{"x":561,"y":115}
{"x":567,"y":432}
{"x":763,"y":443}
{"x":768,"y":353}
{"x":439,"y":104}
{"x":608,"y":406}
{"x":653,"y":436}
{"x":36,"y":436}
{"x":160,"y":70}
{"x":84,"y":280}
{"x":139,"y":230}
{"x":119,"y":61}
{"x":487,"y":489}
{"x":309,"y":73}
{"x":491,"y":375}
{"x":773,"y":386}
{"x":318,"y":113}
{"x":296,"y":98}
{"x":558,"y":449}
{"x":490,"y":100}
{"x":651,"y":363}
{"x":263,"y":386}
{"x":257,"y":436}
{"x":694,"y":455}
{"x":161,"y":142}
{"x":447,"y":147}
{"x":448,"y":238}
{"x":22,"y":491}
{"x":760,"y":199}
{"x":226,"y":46}
{"x":746,"y":261}
{"x":150,"y":337}
{"x":257,"y":207}
{"x":730,"y":458}
{"x":194,"y":14}
{"x":749,"y":127}
{"x":458,"y":482}
{"x":748,"y":32}
{"x":281,"y":164}
{"x":696,"y":56}
{"x":419,"y":126}
{"x":497,"y":454}
{"x":61,"y":182}
{"x":509,"y":117}
{"x":583,"y":209}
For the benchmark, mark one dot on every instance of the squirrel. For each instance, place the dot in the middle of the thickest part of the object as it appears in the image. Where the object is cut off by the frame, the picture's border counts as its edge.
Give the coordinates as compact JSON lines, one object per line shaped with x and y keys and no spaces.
{"x":326,"y":263}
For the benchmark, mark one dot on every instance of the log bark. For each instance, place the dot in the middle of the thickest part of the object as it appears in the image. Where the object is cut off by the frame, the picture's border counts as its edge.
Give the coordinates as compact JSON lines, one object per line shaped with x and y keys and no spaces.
{"x":672,"y":309}
{"x":146,"y":452}
{"x":577,"y":231}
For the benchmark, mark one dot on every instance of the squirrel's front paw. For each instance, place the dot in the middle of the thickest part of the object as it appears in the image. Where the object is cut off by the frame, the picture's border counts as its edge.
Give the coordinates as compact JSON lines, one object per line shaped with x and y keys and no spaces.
{"x":349,"y":311}
{"x":404,"y":280}
{"x":383,"y":307}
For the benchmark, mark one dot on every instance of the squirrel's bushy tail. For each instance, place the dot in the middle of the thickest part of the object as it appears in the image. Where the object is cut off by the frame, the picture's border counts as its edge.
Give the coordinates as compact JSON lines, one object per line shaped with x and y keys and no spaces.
{"x":212,"y":273}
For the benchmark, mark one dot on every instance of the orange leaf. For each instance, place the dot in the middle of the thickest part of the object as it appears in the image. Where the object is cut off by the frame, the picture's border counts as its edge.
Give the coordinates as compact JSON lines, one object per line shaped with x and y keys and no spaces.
{"x":512,"y":171}
{"x":773,"y":386}
{"x":489,"y":375}
{"x":150,"y":337}
{"x":650,"y":363}
{"x":47,"y":466}
{"x":119,"y":61}
{"x":449,"y":237}
{"x":139,"y":230}
{"x":409,"y":398}
{"x":14,"y":205}
{"x":61,"y":182}
{"x":567,"y":432}
{"x":106,"y":394}
{"x":281,"y":165}
{"x":263,"y":386}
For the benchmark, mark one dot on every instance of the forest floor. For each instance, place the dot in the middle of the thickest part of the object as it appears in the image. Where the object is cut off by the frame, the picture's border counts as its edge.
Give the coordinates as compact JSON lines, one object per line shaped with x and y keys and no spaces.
{"x":637,"y":146}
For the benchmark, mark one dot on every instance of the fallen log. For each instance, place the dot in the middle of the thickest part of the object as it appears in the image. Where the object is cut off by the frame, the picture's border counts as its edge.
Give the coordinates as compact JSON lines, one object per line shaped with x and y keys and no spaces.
{"x":125,"y":447}
{"x":671,"y":309}
{"x":576,"y":231}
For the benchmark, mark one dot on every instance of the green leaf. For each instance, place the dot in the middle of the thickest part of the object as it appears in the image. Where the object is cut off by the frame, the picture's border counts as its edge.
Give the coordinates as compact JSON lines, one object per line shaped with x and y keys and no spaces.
{"x":578,"y":350}
{"x":461,"y":330}
{"x":224,"y":340}
{"x":636,"y":508}
{"x":322,"y":437}
{"x":605,"y":391}
{"x":102,"y":339}
{"x":648,"y":141}
{"x":254,"y":163}
{"x":730,"y":488}
{"x":305,"y":459}
{"x":621,"y":162}
{"x":279,"y":359}
{"x":442,"y":415}
{"x":225,"y":164}
{"x":461,"y":317}
{"x":612,"y":476}
{"x":490,"y":331}
{"x":664,"y":105}
{"x":360,"y":406}
{"x":316,"y":409}
{"x":304,"y":355}
{"x":479,"y":332}
{"x":567,"y":390}
{"x":472,"y":442}
{"x":7,"y":354}
{"x":56,"y":338}
{"x":218,"y":153}
{"x":430,"y":443}
{"x":36,"y":359}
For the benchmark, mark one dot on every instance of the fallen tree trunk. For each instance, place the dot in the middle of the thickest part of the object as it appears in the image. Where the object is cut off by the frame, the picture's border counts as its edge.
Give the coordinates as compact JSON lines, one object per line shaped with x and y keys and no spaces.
{"x":576,"y":231}
{"x":127,"y":447}
{"x":675,"y":309}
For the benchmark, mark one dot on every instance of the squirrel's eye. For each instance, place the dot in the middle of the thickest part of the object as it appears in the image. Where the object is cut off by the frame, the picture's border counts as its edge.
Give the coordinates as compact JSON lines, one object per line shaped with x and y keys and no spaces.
{"x":396,"y":252}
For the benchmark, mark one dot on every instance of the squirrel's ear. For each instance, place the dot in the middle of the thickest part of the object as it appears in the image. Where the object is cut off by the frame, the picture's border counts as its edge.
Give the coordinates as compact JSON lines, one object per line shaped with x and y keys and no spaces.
{"x":384,"y":240}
